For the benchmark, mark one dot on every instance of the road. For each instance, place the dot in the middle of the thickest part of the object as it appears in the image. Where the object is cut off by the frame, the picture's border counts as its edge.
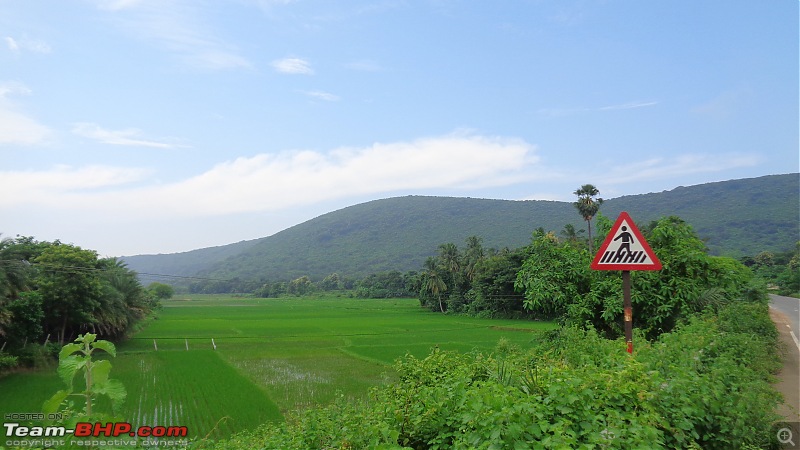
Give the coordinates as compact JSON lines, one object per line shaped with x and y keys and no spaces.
{"x":785,"y":312}
{"x":791,"y":307}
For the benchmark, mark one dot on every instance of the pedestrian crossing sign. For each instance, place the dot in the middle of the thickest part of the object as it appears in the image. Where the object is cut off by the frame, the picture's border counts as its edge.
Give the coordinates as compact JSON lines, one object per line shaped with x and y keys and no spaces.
{"x":625,"y":249}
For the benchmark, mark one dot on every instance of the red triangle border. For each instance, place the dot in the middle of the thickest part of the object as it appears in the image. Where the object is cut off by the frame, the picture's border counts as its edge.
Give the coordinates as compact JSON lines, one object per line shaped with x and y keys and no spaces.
{"x":625,"y":217}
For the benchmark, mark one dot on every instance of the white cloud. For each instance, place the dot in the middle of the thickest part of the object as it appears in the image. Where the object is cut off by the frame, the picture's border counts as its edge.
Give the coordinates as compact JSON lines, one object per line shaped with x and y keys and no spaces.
{"x":56,"y":187}
{"x":676,"y":166}
{"x":13,"y":88}
{"x":629,"y":105}
{"x":12,"y":44}
{"x":177,"y":26}
{"x":31,"y":45}
{"x":293,"y":66}
{"x":321,"y":95}
{"x":128,"y":137}
{"x":561,"y":112}
{"x":275,"y":182}
{"x":17,"y":127}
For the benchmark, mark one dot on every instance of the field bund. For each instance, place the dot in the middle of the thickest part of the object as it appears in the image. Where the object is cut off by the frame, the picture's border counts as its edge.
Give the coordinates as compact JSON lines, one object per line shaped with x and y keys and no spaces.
{"x":272,"y":356}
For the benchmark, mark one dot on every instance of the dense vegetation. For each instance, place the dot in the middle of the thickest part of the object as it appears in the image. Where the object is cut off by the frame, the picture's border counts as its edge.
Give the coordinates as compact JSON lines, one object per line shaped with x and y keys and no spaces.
{"x":699,"y":378}
{"x":271,"y":356}
{"x":780,"y":269}
{"x":735,"y":218}
{"x":703,"y":385}
{"x":51,"y":292}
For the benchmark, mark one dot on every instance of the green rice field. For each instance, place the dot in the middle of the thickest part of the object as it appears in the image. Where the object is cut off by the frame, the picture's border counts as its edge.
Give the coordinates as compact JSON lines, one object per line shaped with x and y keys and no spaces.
{"x":272,"y":356}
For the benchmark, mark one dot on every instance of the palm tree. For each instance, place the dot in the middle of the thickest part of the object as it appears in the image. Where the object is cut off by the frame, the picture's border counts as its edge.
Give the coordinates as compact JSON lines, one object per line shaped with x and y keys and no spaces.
{"x":570,"y":233}
{"x":588,"y":206}
{"x":433,"y":282}
{"x":472,"y":255}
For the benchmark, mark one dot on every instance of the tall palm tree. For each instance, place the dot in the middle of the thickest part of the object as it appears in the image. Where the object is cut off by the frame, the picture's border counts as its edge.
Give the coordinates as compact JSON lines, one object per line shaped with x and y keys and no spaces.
{"x":433,"y":282}
{"x":587,"y":206}
{"x":450,"y":259}
{"x":472,"y":255}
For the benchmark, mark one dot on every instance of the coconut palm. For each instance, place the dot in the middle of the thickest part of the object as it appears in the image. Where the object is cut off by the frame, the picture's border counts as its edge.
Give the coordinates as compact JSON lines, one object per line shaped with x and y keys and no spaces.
{"x":432,"y":281}
{"x":587,"y":206}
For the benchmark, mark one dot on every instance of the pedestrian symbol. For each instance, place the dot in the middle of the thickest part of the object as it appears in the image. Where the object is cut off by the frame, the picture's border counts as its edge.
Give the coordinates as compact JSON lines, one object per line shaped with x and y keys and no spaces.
{"x":625,"y":249}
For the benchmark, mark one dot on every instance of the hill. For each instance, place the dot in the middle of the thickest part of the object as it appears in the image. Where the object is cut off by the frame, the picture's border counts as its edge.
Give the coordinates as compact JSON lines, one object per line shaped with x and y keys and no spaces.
{"x":737,"y":217}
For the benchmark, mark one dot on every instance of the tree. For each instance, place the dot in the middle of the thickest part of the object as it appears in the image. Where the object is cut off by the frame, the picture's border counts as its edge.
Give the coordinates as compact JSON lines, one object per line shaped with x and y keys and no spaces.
{"x":553,"y":276}
{"x":27,"y":315}
{"x":493,"y":293}
{"x":472,"y":256}
{"x":331,"y":282}
{"x":587,"y":206}
{"x":13,"y":279}
{"x":70,"y":286}
{"x":300,"y":286}
{"x":432,"y":281}
{"x":123,"y":301}
{"x":571,"y":234}
{"x":161,"y":291}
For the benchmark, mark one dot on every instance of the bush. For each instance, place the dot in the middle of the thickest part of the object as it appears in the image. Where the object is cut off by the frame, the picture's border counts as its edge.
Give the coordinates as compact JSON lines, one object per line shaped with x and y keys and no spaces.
{"x":704,"y":385}
{"x":7,"y":361}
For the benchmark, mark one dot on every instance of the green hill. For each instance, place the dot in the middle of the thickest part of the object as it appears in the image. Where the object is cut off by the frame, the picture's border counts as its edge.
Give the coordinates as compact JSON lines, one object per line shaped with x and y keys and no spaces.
{"x":737,"y":217}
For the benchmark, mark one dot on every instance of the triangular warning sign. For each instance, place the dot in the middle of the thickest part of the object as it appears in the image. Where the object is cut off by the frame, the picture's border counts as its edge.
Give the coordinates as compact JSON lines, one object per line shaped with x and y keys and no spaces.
{"x":625,"y":249}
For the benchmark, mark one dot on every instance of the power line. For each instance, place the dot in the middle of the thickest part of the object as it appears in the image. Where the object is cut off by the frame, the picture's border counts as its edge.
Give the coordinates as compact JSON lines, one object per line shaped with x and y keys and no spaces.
{"x":75,"y":269}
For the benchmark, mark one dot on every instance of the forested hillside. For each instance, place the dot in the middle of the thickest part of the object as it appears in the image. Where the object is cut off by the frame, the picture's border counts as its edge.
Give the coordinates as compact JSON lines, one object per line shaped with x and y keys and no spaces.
{"x":736,"y":218}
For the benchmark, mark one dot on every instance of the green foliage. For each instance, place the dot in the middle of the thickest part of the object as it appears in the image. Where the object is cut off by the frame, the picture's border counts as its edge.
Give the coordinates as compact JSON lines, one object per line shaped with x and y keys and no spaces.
{"x":553,"y":275}
{"x":7,"y":361}
{"x":69,"y":285}
{"x":557,"y":281}
{"x":588,"y":205}
{"x":388,"y":285}
{"x":77,"y":358}
{"x":699,"y":386}
{"x":493,"y":293}
{"x":50,"y":291}
{"x":27,"y":317}
{"x":161,"y":291}
{"x":780,"y":270}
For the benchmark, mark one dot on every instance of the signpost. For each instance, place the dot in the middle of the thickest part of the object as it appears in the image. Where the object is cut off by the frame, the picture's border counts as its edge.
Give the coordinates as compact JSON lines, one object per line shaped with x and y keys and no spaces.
{"x":626,"y":249}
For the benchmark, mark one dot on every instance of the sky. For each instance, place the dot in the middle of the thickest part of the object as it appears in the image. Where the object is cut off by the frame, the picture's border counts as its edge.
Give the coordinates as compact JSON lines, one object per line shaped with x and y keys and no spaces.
{"x":158,"y":126}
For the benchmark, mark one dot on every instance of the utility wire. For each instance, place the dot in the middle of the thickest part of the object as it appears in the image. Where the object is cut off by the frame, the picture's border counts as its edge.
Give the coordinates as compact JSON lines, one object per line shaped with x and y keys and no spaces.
{"x":74,"y":269}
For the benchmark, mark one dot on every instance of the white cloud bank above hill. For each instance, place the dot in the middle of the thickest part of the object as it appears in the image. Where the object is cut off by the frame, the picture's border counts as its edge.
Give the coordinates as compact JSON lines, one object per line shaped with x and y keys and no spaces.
{"x":271,"y":182}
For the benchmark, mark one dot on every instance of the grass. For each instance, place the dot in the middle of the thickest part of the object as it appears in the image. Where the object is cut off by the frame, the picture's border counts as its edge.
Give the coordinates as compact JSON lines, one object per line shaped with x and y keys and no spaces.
{"x":272,"y":356}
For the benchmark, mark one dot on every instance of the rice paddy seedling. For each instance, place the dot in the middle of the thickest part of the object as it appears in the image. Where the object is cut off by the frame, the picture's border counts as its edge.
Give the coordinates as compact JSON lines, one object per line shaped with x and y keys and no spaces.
{"x":268,"y":357}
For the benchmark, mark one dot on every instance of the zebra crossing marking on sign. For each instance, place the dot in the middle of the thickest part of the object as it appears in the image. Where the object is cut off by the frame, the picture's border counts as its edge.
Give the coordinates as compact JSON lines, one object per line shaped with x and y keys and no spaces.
{"x":625,"y":249}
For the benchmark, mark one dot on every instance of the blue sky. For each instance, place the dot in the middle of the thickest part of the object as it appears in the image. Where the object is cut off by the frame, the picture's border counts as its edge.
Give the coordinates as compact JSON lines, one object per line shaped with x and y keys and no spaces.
{"x":157,"y":126}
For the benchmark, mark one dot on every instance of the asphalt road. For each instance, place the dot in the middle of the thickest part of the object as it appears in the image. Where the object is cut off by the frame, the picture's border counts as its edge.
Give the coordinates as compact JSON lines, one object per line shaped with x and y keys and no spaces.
{"x":785,"y":312}
{"x":789,"y":306}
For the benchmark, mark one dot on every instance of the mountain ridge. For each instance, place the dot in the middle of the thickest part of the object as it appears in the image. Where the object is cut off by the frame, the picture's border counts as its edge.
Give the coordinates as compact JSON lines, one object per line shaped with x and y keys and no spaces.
{"x":737,"y":217}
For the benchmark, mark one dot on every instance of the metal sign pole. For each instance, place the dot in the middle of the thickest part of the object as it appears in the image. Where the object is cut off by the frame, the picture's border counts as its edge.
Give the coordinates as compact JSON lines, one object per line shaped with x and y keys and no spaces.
{"x":628,"y":308}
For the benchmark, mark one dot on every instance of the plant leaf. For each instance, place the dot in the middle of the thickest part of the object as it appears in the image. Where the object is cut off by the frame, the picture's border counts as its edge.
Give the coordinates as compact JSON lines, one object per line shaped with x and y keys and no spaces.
{"x":107,"y":346}
{"x":69,"y":366}
{"x":69,"y":349}
{"x":51,"y":405}
{"x":115,"y":390}
{"x":100,"y":371}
